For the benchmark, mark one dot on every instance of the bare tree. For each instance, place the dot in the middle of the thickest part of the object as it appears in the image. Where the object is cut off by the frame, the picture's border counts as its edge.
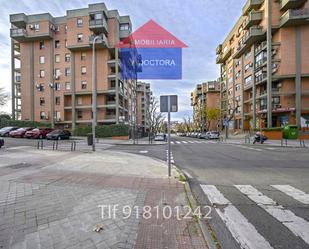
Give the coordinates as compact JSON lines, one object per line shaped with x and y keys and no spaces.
{"x":3,"y":97}
{"x":188,"y":124}
{"x":154,"y":116}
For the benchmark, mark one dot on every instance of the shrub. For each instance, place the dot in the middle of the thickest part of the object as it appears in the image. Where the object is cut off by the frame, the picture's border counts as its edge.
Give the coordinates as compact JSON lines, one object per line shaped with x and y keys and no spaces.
{"x":103,"y":130}
{"x":20,"y":123}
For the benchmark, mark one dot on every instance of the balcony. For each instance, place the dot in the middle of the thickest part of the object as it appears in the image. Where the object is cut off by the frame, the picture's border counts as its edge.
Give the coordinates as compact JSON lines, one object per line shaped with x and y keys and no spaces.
{"x":294,"y":17}
{"x":261,"y":78}
{"x":291,"y":4}
{"x":248,"y":85}
{"x":98,"y":25}
{"x":224,"y":56}
{"x":100,"y":43}
{"x":19,"y":20}
{"x":254,"y":18}
{"x":19,"y":34}
{"x":250,"y":5}
{"x":219,"y":49}
{"x":261,"y":63}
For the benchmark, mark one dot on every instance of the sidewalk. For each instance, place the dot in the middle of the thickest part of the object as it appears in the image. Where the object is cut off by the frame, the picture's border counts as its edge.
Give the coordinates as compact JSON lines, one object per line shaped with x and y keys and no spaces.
{"x":51,"y":199}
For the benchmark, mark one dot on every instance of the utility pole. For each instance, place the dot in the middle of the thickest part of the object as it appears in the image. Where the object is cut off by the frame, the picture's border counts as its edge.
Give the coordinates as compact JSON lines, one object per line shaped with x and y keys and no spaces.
{"x":94,"y":92}
{"x":203,"y":108}
{"x":169,"y":135}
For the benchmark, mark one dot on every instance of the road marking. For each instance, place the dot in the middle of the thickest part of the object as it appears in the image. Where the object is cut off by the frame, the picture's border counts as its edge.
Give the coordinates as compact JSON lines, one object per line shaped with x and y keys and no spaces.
{"x":247,"y":147}
{"x":143,"y":151}
{"x":172,"y":142}
{"x":294,"y":193}
{"x":184,"y":142}
{"x":191,"y":142}
{"x":187,"y":174}
{"x":241,"y":229}
{"x":295,"y":224}
{"x":177,"y":142}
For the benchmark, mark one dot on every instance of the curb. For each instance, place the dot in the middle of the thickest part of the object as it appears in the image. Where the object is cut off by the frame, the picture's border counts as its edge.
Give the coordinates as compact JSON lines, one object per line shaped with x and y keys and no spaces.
{"x":204,"y":226}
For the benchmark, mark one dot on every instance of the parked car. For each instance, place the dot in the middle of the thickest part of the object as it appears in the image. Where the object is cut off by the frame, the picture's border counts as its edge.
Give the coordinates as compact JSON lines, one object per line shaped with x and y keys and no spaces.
{"x":160,"y":137}
{"x":38,"y":133}
{"x":213,"y":135}
{"x":1,"y":142}
{"x":20,"y":132}
{"x":4,"y":132}
{"x":58,"y":135}
{"x":203,"y":135}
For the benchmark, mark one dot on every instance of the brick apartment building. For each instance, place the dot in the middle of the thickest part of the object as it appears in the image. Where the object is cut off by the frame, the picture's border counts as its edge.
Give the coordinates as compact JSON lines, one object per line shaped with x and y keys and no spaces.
{"x":144,"y":97}
{"x":205,"y":96}
{"x":265,"y":67}
{"x":52,"y":67}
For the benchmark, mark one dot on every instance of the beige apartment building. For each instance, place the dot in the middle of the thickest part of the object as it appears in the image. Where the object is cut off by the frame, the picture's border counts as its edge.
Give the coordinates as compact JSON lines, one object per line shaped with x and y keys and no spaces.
{"x":265,"y":67}
{"x":205,"y":96}
{"x":144,"y":97}
{"x":52,"y":67}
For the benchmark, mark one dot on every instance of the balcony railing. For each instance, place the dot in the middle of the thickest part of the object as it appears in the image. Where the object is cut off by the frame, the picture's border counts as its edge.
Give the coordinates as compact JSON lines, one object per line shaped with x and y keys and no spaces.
{"x":250,"y":5}
{"x":294,"y":17}
{"x":291,"y":4}
{"x":261,"y":78}
{"x":101,"y":42}
{"x":219,"y":49}
{"x":98,"y":25}
{"x":254,"y":18}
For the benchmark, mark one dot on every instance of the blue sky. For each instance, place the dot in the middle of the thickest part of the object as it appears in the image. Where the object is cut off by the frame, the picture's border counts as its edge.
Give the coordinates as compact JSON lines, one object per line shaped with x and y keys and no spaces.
{"x":201,"y":24}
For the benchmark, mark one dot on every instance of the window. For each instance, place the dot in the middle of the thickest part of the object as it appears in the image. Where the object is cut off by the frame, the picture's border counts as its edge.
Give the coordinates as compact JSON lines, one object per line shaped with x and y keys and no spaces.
{"x":79,"y":114}
{"x":84,"y":84}
{"x":237,"y":87}
{"x":57,"y":116}
{"x":79,"y":100}
{"x":248,"y":80}
{"x":36,"y":27}
{"x":230,"y":70}
{"x":65,"y":28}
{"x":79,"y":22}
{"x":57,"y":58}
{"x":83,"y":70}
{"x":247,"y":54}
{"x":42,"y":59}
{"x":66,"y":43}
{"x":79,"y":37}
{"x":124,"y":26}
{"x":67,"y":86}
{"x":67,"y":71}
{"x":57,"y":73}
{"x":42,"y":45}
{"x":83,"y":56}
{"x":276,"y":100}
{"x":67,"y":57}
{"x":57,"y":86}
{"x":57,"y":44}
{"x":41,"y":87}
{"x":247,"y":67}
{"x":42,"y":115}
{"x":237,"y":63}
{"x":57,"y":28}
{"x":57,"y":100}
{"x":238,"y":74}
{"x":42,"y":73}
{"x":42,"y":101}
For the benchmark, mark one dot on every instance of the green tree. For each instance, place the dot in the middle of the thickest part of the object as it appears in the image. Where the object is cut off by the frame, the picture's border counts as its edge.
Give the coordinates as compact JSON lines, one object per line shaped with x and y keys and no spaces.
{"x":210,"y":114}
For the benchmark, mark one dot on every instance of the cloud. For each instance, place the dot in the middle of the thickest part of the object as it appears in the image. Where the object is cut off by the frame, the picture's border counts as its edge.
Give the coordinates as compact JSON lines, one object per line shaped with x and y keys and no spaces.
{"x":201,"y":24}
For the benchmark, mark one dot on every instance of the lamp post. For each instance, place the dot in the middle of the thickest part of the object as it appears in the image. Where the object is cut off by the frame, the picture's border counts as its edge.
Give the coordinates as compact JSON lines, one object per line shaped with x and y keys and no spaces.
{"x":94,"y":91}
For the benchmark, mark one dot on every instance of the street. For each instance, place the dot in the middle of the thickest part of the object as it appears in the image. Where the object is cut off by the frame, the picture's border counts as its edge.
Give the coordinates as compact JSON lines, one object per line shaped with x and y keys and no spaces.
{"x":257,"y":193}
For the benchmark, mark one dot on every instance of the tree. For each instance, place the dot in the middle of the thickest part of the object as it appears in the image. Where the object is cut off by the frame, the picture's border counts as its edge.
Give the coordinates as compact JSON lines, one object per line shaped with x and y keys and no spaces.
{"x":3,"y":97}
{"x":188,"y":125}
{"x":154,"y":117}
{"x":212,"y":114}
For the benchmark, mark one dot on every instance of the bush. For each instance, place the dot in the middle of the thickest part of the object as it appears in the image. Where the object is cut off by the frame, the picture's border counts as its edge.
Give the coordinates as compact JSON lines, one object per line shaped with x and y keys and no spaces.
{"x":102,"y":131}
{"x":19,"y":123}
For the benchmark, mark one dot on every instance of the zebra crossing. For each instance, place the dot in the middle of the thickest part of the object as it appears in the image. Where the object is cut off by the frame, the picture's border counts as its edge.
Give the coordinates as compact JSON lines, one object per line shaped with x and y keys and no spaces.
{"x":190,"y":142}
{"x":242,"y":230}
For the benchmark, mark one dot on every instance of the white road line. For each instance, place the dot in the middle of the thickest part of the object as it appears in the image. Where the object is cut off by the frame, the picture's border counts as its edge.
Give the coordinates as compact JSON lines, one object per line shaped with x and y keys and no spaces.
{"x":184,"y":142}
{"x":177,"y":142}
{"x":172,"y":142}
{"x":294,"y":193}
{"x":241,"y":229}
{"x":191,"y":142}
{"x":295,"y":224}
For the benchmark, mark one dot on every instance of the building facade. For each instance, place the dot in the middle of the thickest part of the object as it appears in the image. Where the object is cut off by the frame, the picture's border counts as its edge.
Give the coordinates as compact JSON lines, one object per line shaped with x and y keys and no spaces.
{"x":144,"y":97}
{"x":52,"y":67}
{"x":204,"y":98}
{"x":264,"y":66}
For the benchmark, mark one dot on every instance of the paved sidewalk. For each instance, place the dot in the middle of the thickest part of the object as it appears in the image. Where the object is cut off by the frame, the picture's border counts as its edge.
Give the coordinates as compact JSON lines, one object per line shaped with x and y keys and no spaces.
{"x":50,"y":199}
{"x":109,"y":141}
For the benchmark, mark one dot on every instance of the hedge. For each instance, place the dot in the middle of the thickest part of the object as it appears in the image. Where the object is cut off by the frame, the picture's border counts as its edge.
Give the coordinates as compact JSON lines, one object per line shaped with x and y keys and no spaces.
{"x":19,"y":123}
{"x":103,"y":130}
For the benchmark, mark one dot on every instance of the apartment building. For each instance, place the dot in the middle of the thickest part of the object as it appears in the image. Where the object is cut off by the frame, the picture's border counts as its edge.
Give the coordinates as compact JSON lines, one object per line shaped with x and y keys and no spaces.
{"x":52,"y":67}
{"x":144,"y":97}
{"x":205,"y":96}
{"x":264,"y":66}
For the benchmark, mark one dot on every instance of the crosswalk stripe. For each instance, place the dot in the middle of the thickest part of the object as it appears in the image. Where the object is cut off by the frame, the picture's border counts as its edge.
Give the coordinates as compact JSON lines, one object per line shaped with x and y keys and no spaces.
{"x":191,"y":142}
{"x":295,"y":224}
{"x":241,"y":229}
{"x":185,"y":142}
{"x":294,"y":193}
{"x":172,"y":142}
{"x":178,"y":142}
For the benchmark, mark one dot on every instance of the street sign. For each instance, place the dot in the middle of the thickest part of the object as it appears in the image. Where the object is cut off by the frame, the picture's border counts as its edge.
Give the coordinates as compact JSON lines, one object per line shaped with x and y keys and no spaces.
{"x":169,"y":104}
{"x":173,"y":103}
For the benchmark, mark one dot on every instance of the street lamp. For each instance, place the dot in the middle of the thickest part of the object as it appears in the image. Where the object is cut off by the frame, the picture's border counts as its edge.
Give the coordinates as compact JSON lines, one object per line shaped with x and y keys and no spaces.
{"x":94,"y":91}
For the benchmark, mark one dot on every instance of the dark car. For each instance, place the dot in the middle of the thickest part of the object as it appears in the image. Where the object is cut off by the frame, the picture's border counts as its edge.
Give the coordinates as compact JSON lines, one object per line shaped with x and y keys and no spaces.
{"x":4,"y":132}
{"x":58,"y":135}
{"x":1,"y":142}
{"x":20,"y":132}
{"x":38,"y":133}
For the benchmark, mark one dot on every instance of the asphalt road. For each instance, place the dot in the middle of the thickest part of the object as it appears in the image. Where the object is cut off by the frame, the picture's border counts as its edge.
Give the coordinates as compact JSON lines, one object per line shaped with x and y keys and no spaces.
{"x":258,"y":195}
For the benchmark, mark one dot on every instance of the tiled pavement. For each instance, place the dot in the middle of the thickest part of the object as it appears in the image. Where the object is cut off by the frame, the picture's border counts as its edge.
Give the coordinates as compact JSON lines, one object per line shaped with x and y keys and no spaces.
{"x":55,"y":204}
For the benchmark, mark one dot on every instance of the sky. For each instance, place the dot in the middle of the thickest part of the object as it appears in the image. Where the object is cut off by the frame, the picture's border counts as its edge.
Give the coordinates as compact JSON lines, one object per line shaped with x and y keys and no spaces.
{"x":200,"y":24}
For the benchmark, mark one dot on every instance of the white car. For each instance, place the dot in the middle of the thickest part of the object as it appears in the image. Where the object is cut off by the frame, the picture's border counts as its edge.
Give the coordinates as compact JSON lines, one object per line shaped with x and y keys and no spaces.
{"x":160,"y":137}
{"x":213,"y":135}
